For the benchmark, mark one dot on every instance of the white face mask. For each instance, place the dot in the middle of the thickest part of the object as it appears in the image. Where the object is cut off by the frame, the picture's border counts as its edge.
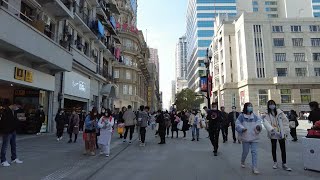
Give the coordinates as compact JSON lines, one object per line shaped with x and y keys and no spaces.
{"x":214,"y":108}
{"x":103,"y":111}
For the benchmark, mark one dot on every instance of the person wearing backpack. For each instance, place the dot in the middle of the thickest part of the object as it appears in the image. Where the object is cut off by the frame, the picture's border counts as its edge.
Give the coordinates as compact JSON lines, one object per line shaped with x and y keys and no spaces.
{"x":143,"y":119}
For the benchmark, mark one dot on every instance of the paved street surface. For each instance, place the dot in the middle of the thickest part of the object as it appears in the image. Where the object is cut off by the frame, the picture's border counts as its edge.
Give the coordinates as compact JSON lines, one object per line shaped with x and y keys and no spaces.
{"x":46,"y":159}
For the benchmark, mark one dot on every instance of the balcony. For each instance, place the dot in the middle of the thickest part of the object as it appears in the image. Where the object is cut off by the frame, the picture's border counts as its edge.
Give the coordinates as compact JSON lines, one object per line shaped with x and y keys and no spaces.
{"x":82,"y":21}
{"x":112,"y":5}
{"x":58,"y":8}
{"x":83,"y":59}
{"x":27,"y":38}
{"x":93,"y":2}
{"x":130,"y":49}
{"x":103,"y":71}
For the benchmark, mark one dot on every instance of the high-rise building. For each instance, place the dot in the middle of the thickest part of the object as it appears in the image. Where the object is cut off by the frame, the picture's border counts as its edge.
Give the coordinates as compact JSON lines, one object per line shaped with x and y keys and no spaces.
{"x":153,"y":87}
{"x":255,"y":60}
{"x":154,"y":57}
{"x":199,"y":32}
{"x":316,"y":8}
{"x":173,"y":91}
{"x":181,"y":58}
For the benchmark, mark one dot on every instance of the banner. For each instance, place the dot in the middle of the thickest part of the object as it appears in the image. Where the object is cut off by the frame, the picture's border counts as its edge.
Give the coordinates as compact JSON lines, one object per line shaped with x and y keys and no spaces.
{"x":203,"y":84}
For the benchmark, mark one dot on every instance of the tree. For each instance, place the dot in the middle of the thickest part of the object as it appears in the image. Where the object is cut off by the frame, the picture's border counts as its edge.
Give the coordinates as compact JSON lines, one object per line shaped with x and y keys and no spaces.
{"x":187,"y":99}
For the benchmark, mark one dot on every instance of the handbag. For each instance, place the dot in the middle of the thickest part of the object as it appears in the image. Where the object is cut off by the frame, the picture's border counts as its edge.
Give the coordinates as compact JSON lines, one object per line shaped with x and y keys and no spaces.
{"x":203,"y":124}
{"x":180,"y":125}
{"x":120,"y":130}
{"x":292,"y":124}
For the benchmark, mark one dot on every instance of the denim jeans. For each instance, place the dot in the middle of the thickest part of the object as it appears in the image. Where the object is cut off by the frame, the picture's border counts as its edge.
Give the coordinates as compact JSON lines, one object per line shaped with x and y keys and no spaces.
{"x":195,"y":131}
{"x":6,"y":138}
{"x":245,"y":150}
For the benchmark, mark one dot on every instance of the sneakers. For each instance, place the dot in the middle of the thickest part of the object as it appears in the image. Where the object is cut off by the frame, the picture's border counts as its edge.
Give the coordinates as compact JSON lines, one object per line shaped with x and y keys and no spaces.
{"x":107,"y":155}
{"x":38,"y":133}
{"x":101,"y":153}
{"x":255,"y":171}
{"x":58,"y":139}
{"x":124,"y":141}
{"x":275,"y":166}
{"x":130,"y":142}
{"x":193,"y":139}
{"x":243,"y":165}
{"x":17,"y":161}
{"x":92,"y":153}
{"x":142,"y":144}
{"x":215,"y":153}
{"x":5,"y":164}
{"x":285,"y":167}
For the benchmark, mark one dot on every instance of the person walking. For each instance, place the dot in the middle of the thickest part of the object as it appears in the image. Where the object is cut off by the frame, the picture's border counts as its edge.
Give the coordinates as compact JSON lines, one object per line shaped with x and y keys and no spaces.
{"x":120,"y":121}
{"x":82,"y":117}
{"x":232,"y":118}
{"x":194,"y":122}
{"x":143,"y":120}
{"x":175,"y":119}
{"x":129,"y":122}
{"x":215,"y":120}
{"x":73,"y":127}
{"x":185,"y":126}
{"x":40,"y":118}
{"x":8,"y":127}
{"x":102,"y":113}
{"x":249,"y":126}
{"x":168,"y":122}
{"x":60,"y":120}
{"x":162,"y":127}
{"x":314,"y":115}
{"x":293,"y":124}
{"x":153,"y":121}
{"x":105,"y":124}
{"x":278,"y":120}
{"x":225,"y":124}
{"x":90,"y":132}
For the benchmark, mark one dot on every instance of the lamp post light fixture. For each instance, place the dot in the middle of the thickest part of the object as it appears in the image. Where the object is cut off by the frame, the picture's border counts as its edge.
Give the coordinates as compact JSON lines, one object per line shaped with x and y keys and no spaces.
{"x":207,"y":62}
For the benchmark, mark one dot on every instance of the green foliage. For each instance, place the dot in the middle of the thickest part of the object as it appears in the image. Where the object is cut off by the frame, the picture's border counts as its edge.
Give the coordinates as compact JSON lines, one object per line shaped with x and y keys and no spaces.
{"x":187,"y":99}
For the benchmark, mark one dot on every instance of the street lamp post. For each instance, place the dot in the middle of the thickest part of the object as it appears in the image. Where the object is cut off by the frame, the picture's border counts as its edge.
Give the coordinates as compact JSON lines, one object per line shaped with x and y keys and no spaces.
{"x":207,"y":63}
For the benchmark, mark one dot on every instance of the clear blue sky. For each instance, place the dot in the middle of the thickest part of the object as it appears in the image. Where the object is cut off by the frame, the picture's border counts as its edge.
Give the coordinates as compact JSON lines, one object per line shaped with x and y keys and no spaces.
{"x":165,"y":22}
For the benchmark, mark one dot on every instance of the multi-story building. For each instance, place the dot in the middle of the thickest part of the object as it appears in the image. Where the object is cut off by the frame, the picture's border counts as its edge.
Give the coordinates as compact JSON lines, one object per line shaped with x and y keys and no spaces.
{"x":181,"y":58}
{"x":154,"y":57}
{"x":153,"y":87}
{"x":279,"y":8}
{"x":131,"y":72}
{"x":173,"y":91}
{"x":199,"y":32}
{"x":58,"y":54}
{"x":316,"y":8}
{"x":256,"y":59}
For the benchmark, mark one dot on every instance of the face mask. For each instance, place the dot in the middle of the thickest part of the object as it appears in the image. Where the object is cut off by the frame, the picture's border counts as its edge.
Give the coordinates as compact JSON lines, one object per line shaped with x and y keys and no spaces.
{"x":215,"y":108}
{"x":73,"y":112}
{"x":272,"y":106}
{"x":250,"y":109}
{"x":106,"y":114}
{"x":62,"y":112}
{"x":233,"y":110}
{"x":103,"y":111}
{"x":95,"y":114}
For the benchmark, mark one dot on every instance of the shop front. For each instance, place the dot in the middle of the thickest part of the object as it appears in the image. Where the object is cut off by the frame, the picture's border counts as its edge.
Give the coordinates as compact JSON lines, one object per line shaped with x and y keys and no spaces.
{"x":76,"y":92}
{"x":30,"y":89}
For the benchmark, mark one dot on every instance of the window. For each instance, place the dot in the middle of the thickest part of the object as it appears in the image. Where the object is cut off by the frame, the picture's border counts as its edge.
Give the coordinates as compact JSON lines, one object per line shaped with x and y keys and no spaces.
{"x":204,"y":43}
{"x":297,"y":41}
{"x":205,"y":33}
{"x":130,"y":89}
{"x":277,"y":28}
{"x":272,"y":15}
{"x":305,"y":96}
{"x":299,"y":57}
{"x":315,"y":42}
{"x":301,"y":72}
{"x":205,"y":24}
{"x":254,"y":2}
{"x":263,"y":97}
{"x":295,"y":28}
{"x":268,"y":9}
{"x":316,"y":56}
{"x":278,"y":42}
{"x":282,"y":72}
{"x":280,"y":57}
{"x":285,"y":95}
{"x":255,"y":9}
{"x":128,"y":74}
{"x":317,"y":71}
{"x":314,"y":28}
{"x":271,"y":3}
{"x":116,"y":73}
{"x":125,"y":89}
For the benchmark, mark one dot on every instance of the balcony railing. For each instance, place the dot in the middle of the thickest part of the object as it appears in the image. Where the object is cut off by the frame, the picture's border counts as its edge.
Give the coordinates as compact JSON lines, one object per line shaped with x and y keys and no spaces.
{"x":80,"y":11}
{"x":103,"y":71}
{"x":32,"y":19}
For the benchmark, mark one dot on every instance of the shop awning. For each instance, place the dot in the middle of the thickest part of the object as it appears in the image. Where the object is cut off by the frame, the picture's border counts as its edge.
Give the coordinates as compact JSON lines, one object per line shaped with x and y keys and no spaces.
{"x":109,"y":90}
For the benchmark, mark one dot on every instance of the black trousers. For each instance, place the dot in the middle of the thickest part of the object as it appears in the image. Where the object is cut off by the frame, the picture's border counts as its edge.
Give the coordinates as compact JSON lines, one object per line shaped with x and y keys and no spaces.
{"x":293,"y":133}
{"x":233,"y":127}
{"x":184,"y":134}
{"x":143,"y":134}
{"x":177,"y":132}
{"x":75,"y":136}
{"x":282,"y":143}
{"x":214,"y":137}
{"x":168,"y":131}
{"x":162,"y":135}
{"x":131,"y":128}
{"x":224,"y":131}
{"x":59,"y":133}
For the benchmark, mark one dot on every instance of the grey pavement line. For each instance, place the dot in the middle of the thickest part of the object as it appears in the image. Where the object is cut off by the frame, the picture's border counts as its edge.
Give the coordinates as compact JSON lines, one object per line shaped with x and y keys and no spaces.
{"x":21,"y":138}
{"x":68,"y":170}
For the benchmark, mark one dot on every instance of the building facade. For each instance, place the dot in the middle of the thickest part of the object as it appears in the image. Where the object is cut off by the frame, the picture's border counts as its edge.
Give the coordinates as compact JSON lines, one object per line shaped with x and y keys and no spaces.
{"x":154,"y":57}
{"x":181,"y":58}
{"x":173,"y":92}
{"x":256,"y":59}
{"x":61,"y":55}
{"x":131,"y":72}
{"x":153,"y":87}
{"x":199,"y":32}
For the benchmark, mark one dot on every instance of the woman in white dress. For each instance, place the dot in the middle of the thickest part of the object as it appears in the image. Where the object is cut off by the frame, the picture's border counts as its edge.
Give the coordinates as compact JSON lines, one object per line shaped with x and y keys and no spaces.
{"x":105,"y":124}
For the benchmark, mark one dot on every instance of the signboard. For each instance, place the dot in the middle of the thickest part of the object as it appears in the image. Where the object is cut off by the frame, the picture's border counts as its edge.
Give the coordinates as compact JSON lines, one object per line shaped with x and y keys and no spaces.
{"x":23,"y":75}
{"x":29,"y":76}
{"x":26,"y":93}
{"x":77,"y":85}
{"x":203,"y":84}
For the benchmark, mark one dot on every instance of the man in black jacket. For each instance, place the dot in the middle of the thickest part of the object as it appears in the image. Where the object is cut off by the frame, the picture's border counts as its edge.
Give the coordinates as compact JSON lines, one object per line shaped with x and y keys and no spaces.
{"x":40,"y":118}
{"x":232,"y":117}
{"x":8,"y":125}
{"x":215,"y":120}
{"x":225,"y":124}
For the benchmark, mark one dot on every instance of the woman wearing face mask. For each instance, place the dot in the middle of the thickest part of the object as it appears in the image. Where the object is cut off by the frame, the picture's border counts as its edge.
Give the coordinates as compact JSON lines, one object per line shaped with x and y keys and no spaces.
{"x":105,"y":124}
{"x":90,"y":132}
{"x":280,"y":123}
{"x":73,"y":126}
{"x":249,"y":126}
{"x":60,"y":120}
{"x":103,"y":111}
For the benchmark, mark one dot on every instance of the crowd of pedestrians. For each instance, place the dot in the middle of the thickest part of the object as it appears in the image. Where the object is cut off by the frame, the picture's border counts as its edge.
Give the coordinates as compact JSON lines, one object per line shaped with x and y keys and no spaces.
{"x":98,"y":128}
